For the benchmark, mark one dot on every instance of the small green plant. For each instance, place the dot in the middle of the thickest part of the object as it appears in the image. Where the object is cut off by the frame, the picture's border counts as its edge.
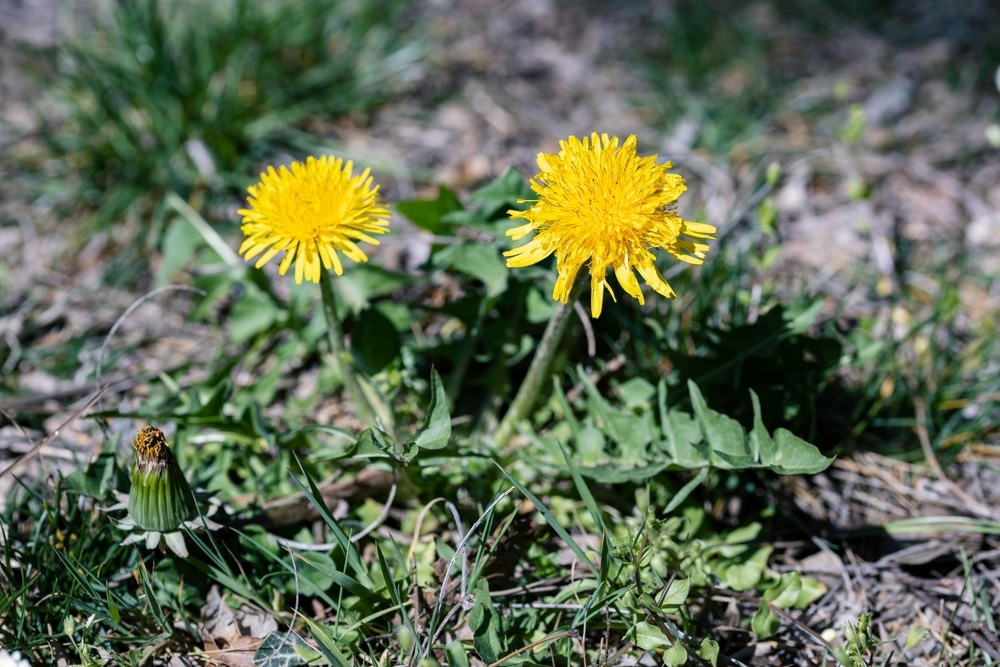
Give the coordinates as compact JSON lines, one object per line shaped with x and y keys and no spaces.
{"x":864,"y":649}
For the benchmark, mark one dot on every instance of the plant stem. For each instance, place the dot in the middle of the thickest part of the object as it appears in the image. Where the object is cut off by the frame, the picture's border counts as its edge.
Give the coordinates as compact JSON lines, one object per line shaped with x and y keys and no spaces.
{"x":342,"y":359}
{"x":541,"y":364}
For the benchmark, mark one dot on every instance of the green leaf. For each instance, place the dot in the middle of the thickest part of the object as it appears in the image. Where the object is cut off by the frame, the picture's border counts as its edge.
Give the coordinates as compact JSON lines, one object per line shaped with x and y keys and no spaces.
{"x":648,"y":637}
{"x":795,"y":456}
{"x":632,"y":432}
{"x":328,"y":644}
{"x":476,"y":260}
{"x":506,"y":189}
{"x":765,"y":622}
{"x":365,"y":282}
{"x":613,"y":473}
{"x":636,"y":393}
{"x":677,"y":595}
{"x":803,"y":321}
{"x":762,"y":447}
{"x":484,"y":622}
{"x":251,"y":314}
{"x":374,"y":341}
{"x":785,"y":592}
{"x":428,"y":213}
{"x":680,"y":434}
{"x":712,"y":439}
{"x":435,"y":432}
{"x":747,"y":574}
{"x":724,"y":435}
{"x":376,"y":444}
{"x":285,"y":649}
{"x":180,"y":242}
{"x":456,"y":655}
{"x":709,"y":651}
{"x":675,"y":655}
{"x":812,"y":590}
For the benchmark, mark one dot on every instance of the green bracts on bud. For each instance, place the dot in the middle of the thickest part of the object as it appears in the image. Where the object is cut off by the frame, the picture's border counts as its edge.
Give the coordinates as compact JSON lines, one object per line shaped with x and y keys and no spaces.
{"x":161,"y":499}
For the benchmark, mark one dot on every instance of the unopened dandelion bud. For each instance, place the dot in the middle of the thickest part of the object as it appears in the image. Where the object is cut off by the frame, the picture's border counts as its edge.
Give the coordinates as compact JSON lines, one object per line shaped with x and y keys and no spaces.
{"x":161,"y":499}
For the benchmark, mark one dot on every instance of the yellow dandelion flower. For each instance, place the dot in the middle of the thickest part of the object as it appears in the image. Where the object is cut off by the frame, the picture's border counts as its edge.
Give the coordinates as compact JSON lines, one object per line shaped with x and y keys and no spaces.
{"x":311,"y":212}
{"x":600,"y":204}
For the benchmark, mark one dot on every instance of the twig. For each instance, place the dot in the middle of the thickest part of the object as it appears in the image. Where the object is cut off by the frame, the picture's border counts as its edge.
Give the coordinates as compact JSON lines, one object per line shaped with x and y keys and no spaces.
{"x":973,"y":505}
{"x":52,"y":436}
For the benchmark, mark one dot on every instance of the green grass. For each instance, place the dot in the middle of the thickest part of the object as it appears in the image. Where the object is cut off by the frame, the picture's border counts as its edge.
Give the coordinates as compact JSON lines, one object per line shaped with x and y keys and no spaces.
{"x":192,"y":99}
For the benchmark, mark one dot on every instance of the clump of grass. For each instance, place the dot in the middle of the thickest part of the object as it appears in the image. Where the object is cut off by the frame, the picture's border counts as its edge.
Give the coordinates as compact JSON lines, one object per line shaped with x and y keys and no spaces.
{"x":188,"y":98}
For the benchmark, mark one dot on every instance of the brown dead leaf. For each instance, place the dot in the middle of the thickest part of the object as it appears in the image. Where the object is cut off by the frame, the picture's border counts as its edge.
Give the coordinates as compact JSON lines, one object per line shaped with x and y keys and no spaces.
{"x":233,"y":637}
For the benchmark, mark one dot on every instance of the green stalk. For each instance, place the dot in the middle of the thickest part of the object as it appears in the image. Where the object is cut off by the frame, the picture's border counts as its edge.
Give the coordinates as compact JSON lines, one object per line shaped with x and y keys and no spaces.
{"x":541,"y":365}
{"x":344,"y":362}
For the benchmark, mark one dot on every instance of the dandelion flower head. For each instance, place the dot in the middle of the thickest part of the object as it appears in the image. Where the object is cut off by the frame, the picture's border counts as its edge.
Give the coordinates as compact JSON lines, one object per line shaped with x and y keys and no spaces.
{"x":601,"y":205}
{"x":312,"y":212}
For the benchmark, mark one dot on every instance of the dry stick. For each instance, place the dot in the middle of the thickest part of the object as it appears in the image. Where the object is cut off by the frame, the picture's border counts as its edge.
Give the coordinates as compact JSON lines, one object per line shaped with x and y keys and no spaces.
{"x":52,"y":436}
{"x":973,"y":505}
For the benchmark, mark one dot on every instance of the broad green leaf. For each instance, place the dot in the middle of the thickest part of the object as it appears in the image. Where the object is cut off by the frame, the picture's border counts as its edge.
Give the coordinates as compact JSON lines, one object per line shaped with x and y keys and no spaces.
{"x":374,"y":341}
{"x":675,"y":655}
{"x":723,"y":434}
{"x":684,"y":441}
{"x":630,"y":431}
{"x":747,"y":574}
{"x":709,"y":651}
{"x":484,"y":622}
{"x":253,"y":313}
{"x":503,"y":191}
{"x":762,"y":447}
{"x":590,"y":447}
{"x":180,"y":242}
{"x":636,"y":393}
{"x":376,"y":444}
{"x":435,"y":432}
{"x":765,"y":622}
{"x":476,"y":260}
{"x":285,"y":649}
{"x":428,"y":213}
{"x":785,"y":592}
{"x":613,"y":473}
{"x":456,"y":655}
{"x":366,"y":281}
{"x":648,"y":636}
{"x":795,"y":456}
{"x":677,"y":595}
{"x":812,"y":590}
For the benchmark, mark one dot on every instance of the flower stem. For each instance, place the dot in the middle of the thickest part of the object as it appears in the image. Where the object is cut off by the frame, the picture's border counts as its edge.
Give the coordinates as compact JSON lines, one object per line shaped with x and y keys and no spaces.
{"x":342,"y":359}
{"x":541,"y":364}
